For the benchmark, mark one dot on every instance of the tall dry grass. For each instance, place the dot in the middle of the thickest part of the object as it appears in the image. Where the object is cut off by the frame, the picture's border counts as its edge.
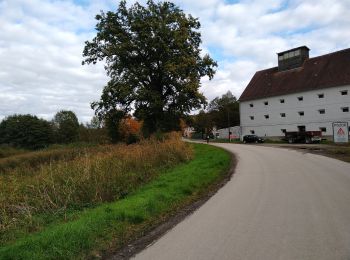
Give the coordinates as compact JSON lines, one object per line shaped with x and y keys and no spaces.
{"x":86,"y":180}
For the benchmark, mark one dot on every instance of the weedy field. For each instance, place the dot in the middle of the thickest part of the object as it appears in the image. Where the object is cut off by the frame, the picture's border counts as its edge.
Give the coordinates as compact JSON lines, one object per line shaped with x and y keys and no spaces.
{"x":73,"y":202}
{"x":39,"y":187}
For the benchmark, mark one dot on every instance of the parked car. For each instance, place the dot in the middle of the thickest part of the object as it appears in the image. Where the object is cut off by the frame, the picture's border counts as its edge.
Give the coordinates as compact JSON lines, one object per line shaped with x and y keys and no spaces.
{"x":252,"y":139}
{"x":306,"y":137}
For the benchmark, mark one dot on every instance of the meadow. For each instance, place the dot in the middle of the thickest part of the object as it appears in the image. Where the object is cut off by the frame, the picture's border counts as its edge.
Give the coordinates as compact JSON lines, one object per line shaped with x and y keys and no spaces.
{"x":73,"y":203}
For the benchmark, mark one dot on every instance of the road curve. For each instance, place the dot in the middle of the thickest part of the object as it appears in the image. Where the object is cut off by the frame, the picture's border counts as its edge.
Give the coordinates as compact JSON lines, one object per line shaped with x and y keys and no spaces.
{"x":280,"y":204}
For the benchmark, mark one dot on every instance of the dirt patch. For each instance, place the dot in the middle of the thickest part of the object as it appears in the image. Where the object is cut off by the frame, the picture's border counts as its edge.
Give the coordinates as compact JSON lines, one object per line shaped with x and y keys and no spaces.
{"x":155,"y":232}
{"x":340,"y":152}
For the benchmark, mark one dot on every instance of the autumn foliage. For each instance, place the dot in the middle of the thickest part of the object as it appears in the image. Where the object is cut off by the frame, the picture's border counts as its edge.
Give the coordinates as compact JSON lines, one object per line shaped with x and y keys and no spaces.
{"x":130,"y":129}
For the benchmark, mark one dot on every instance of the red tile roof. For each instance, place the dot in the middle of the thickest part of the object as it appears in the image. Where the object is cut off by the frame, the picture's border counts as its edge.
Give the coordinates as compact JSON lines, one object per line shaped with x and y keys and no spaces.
{"x":326,"y":71}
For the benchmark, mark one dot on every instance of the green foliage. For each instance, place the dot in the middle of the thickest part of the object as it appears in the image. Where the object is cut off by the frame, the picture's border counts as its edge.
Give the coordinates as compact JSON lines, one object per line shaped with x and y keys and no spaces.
{"x":66,"y":126}
{"x":26,"y":131}
{"x":225,"y":111}
{"x":112,"y":120}
{"x":93,"y":135}
{"x":203,"y":123}
{"x":153,"y":59}
{"x":222,"y":112}
{"x":94,"y":229}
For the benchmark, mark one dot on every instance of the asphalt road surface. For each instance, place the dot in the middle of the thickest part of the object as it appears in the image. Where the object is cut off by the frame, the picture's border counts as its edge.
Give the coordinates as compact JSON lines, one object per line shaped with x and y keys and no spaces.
{"x":280,"y":204}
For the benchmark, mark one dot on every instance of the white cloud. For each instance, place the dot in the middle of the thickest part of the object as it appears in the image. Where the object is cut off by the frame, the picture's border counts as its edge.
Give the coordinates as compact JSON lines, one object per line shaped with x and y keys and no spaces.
{"x":41,"y":45}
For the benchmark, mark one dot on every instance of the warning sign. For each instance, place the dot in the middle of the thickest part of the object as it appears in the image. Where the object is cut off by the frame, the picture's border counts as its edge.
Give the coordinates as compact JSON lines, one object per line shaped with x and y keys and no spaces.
{"x":340,"y":132}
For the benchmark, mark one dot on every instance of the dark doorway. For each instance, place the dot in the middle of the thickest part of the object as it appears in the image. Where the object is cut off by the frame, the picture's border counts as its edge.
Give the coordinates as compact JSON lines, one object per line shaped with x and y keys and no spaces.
{"x":301,"y":128}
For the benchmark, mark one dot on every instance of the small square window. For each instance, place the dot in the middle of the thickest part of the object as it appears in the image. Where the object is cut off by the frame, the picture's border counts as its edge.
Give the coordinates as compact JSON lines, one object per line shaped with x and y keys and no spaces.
{"x":266,"y":103}
{"x":251,"y":117}
{"x":281,"y":101}
{"x":322,"y":111}
{"x":284,"y":130}
{"x":283,"y":114}
{"x":252,"y":132}
{"x":344,"y":92}
{"x":251,"y":105}
{"x":300,"y":98}
{"x":345,"y":109}
{"x":323,"y":129}
{"x":267,"y":116}
{"x":321,"y":95}
{"x":301,"y":113}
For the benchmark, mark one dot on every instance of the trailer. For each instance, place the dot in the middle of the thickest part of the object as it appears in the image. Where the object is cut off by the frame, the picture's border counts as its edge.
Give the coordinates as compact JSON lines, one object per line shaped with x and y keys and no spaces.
{"x":306,"y":137}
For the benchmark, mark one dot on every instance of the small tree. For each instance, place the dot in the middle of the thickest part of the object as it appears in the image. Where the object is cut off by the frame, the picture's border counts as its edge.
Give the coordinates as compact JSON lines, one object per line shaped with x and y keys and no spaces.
{"x":154,"y":63}
{"x":67,"y":126}
{"x":130,"y":130}
{"x":26,"y":131}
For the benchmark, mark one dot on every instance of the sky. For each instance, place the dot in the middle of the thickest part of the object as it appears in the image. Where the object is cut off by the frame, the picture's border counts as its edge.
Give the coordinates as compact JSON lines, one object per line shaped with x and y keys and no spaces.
{"x":41,"y":44}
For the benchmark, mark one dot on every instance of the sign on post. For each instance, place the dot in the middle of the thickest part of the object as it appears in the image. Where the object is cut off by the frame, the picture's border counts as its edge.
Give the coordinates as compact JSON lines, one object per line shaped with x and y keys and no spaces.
{"x":340,"y":132}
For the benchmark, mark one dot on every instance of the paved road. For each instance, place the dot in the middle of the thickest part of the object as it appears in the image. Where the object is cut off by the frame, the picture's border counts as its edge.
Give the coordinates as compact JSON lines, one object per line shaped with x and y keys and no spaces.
{"x":280,"y":204}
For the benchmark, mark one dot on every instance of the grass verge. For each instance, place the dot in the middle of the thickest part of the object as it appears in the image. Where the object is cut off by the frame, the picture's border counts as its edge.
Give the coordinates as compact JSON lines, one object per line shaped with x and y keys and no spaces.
{"x":111,"y":225}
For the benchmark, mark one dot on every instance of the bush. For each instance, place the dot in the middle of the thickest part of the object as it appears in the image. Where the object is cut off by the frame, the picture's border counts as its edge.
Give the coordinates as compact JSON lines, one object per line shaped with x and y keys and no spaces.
{"x":26,"y":131}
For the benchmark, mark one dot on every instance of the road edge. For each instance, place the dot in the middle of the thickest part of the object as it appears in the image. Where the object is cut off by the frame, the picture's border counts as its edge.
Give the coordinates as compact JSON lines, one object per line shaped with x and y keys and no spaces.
{"x":152,"y":235}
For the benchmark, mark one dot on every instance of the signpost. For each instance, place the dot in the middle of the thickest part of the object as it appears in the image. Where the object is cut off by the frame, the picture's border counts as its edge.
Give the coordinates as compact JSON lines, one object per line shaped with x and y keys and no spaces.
{"x":340,"y":132}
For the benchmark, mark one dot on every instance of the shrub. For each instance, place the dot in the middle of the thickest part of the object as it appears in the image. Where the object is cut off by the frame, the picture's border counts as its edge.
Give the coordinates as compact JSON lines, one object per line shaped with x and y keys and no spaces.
{"x":26,"y":131}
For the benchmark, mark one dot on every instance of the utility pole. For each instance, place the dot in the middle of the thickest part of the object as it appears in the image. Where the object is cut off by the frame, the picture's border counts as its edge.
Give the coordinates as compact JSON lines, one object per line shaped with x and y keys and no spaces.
{"x":228,"y":122}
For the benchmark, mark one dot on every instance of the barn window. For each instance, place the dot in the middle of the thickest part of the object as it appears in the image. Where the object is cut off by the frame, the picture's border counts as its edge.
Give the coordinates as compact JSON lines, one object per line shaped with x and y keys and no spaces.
{"x":321,"y":95}
{"x":251,"y":117}
{"x":266,"y":103}
{"x":251,"y":105}
{"x":345,"y":109}
{"x":252,"y":132}
{"x":283,"y":114}
{"x":284,"y":130}
{"x":267,"y":116}
{"x":300,"y":98}
{"x":301,"y":113}
{"x":323,"y":129}
{"x":322,"y":111}
{"x":344,"y":92}
{"x":281,"y":101}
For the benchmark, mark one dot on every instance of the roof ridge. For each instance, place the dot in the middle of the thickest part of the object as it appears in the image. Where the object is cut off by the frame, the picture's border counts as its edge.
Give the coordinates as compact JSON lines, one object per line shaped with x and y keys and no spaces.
{"x":331,"y":53}
{"x":324,"y":71}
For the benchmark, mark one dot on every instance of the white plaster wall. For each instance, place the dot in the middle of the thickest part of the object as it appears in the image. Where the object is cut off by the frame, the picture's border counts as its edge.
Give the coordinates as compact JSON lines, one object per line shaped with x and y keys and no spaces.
{"x":332,"y":102}
{"x":223,"y":133}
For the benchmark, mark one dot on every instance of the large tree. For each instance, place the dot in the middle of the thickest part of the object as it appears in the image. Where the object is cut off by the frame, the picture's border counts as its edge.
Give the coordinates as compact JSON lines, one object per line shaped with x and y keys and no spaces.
{"x":153,"y":58}
{"x":224,"y":111}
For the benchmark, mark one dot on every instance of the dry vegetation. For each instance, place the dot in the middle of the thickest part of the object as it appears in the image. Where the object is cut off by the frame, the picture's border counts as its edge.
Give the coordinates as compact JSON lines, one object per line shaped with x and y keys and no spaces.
{"x":54,"y":182}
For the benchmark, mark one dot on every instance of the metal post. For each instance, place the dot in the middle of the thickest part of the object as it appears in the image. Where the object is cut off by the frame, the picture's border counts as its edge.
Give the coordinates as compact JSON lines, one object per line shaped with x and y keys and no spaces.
{"x":228,"y":122}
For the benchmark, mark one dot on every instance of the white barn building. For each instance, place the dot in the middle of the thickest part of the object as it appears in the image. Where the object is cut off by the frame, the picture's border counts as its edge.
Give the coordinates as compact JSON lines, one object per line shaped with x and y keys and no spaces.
{"x":302,"y":93}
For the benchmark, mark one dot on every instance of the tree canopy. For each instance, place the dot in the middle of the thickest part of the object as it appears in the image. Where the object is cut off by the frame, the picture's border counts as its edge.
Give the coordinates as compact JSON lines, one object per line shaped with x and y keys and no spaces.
{"x":224,"y":111}
{"x":25,"y":131}
{"x":153,"y":58}
{"x":66,"y":126}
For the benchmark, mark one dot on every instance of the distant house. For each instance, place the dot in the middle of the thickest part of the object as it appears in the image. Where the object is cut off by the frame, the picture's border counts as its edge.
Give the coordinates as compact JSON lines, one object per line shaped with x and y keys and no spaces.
{"x":302,"y":93}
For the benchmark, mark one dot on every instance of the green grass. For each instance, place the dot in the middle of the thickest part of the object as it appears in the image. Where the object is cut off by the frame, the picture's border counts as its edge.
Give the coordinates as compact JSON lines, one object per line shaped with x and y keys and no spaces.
{"x":223,"y":140}
{"x":111,"y":225}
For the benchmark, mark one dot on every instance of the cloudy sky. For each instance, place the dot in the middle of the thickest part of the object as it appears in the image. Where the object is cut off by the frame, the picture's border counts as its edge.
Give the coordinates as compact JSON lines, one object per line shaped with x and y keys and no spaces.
{"x":41,"y":43}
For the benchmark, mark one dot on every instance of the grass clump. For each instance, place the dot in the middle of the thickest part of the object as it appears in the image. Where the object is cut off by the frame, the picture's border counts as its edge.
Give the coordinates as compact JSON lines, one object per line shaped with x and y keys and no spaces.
{"x":111,"y":225}
{"x":6,"y":151}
